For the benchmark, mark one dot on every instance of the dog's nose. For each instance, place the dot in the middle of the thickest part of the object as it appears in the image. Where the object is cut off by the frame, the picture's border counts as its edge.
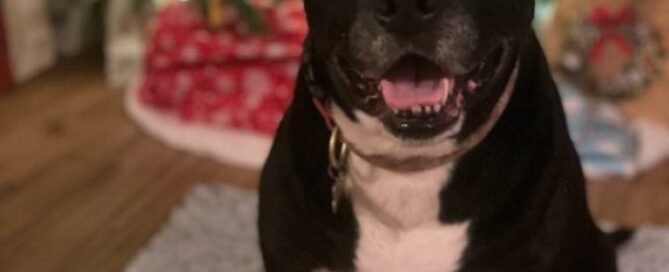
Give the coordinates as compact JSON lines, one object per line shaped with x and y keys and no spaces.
{"x":404,"y":15}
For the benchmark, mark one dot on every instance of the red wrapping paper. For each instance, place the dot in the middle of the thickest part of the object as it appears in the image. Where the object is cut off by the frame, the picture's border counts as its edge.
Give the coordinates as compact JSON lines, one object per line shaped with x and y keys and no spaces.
{"x":226,"y":78}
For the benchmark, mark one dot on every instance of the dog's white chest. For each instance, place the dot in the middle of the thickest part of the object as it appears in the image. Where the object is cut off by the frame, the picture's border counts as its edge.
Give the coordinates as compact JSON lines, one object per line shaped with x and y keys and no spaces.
{"x":398,"y":221}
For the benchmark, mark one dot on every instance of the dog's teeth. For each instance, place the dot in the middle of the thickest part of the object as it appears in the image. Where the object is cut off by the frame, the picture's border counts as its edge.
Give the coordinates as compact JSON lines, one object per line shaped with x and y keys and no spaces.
{"x":427,"y":109}
{"x":396,"y":111}
{"x":437,"y":108}
{"x":416,"y":110}
{"x":472,"y":85}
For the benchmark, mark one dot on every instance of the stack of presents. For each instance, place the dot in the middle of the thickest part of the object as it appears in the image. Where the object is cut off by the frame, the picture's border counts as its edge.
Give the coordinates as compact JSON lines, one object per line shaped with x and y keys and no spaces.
{"x":217,"y":75}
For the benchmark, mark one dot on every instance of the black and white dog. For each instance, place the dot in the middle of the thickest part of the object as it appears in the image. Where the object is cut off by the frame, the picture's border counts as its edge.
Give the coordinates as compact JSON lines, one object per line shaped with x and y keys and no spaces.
{"x":459,"y":154}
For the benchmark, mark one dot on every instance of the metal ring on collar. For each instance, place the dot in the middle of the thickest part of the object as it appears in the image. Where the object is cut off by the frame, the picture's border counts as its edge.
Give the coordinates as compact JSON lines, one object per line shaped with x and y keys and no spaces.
{"x":337,"y":151}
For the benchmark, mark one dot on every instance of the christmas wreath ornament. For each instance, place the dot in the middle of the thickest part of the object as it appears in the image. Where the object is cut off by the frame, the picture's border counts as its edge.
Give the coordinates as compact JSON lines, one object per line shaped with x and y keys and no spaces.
{"x":611,"y":53}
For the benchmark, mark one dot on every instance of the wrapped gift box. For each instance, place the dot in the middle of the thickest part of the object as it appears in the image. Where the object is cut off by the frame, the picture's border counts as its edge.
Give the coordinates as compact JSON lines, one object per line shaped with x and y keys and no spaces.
{"x":223,"y":80}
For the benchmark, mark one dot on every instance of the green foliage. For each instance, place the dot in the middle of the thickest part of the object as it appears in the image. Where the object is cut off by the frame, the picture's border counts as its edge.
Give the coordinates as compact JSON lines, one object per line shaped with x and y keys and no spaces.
{"x":250,"y":16}
{"x":246,"y":11}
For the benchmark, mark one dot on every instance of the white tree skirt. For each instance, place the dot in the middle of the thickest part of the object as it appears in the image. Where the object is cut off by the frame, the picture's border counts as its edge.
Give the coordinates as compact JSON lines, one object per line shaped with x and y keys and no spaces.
{"x":230,"y":146}
{"x":215,"y":231}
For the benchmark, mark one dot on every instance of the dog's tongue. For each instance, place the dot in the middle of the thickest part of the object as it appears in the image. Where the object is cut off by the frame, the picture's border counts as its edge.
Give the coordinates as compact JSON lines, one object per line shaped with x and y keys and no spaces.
{"x":404,"y":95}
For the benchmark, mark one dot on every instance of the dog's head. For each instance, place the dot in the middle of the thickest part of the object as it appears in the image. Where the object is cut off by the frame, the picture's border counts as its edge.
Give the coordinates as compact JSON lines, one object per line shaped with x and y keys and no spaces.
{"x":417,"y":78}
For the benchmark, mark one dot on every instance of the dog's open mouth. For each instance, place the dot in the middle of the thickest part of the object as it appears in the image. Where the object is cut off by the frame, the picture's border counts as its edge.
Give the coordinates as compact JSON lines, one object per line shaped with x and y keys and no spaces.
{"x":415,"y":88}
{"x":421,"y":100}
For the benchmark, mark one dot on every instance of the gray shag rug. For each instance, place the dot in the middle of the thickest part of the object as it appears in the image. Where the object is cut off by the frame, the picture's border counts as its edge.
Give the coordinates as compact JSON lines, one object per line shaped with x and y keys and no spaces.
{"x":215,"y":230}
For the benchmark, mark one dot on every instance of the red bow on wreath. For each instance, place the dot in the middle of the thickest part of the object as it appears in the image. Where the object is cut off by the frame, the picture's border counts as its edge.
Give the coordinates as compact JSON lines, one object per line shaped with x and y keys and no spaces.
{"x":606,"y":20}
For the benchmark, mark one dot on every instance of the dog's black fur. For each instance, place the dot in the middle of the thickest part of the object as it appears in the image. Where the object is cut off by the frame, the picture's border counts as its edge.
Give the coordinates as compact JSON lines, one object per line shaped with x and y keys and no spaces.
{"x":521,"y":187}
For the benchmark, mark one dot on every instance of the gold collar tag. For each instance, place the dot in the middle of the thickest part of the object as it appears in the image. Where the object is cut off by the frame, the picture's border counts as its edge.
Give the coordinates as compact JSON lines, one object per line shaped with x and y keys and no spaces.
{"x":338,"y":154}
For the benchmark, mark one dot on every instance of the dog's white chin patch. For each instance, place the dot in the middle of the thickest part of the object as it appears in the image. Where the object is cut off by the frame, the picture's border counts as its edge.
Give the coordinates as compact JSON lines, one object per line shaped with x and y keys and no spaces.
{"x":371,"y":138}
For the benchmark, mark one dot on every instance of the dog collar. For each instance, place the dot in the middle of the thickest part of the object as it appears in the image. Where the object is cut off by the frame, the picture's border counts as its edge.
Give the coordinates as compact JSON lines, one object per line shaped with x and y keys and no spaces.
{"x":338,"y":149}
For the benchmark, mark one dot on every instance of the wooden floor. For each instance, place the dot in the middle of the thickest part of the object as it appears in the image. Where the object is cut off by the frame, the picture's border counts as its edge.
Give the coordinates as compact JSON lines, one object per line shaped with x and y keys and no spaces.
{"x":82,"y":189}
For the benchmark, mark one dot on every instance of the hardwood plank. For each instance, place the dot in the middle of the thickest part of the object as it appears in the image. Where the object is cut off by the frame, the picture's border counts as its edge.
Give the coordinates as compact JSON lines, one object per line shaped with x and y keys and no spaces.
{"x":643,"y":201}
